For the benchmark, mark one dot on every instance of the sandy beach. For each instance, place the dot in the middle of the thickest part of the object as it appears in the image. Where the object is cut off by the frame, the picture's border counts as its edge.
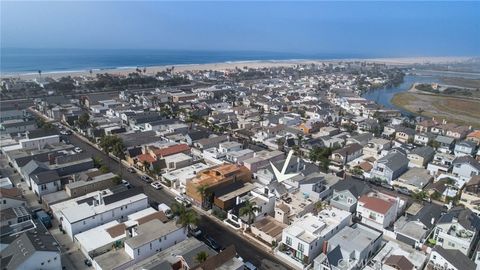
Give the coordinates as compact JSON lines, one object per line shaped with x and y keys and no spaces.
{"x":232,"y":65}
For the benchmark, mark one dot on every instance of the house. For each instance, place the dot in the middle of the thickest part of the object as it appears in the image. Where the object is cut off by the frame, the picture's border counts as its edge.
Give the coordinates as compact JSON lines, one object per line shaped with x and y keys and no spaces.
{"x":405,"y":135}
{"x":375,"y":146}
{"x":474,"y":136}
{"x":390,"y":167}
{"x":216,"y":177}
{"x":445,"y":144}
{"x":346,"y":193}
{"x":425,"y":126}
{"x":458,"y":229}
{"x":361,"y":139}
{"x":268,"y":229}
{"x":395,"y":256}
{"x":193,"y":136}
{"x":32,"y":250}
{"x":465,"y":167}
{"x":464,"y":148}
{"x":471,"y":194}
{"x":423,"y":138}
{"x":377,"y":212}
{"x":303,"y":240}
{"x":415,"y":179}
{"x":78,"y":216}
{"x":349,"y":248}
{"x":45,"y":182}
{"x":420,"y":156}
{"x":442,"y":162}
{"x":414,"y":227}
{"x":441,"y":258}
{"x":342,"y":156}
{"x":11,"y":197}
{"x":144,"y":241}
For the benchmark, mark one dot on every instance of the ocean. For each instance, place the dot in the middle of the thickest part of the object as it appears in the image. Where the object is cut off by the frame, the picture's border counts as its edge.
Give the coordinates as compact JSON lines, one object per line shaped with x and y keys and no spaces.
{"x":26,"y":61}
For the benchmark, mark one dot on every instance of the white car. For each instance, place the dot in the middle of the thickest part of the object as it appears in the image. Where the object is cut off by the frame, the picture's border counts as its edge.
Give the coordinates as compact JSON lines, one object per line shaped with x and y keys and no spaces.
{"x":78,"y":150}
{"x":156,"y":185}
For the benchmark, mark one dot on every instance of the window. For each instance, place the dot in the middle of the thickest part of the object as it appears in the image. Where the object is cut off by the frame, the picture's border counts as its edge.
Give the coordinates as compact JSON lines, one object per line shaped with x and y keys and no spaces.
{"x":165,"y":237}
{"x":138,"y":251}
{"x":4,"y":201}
{"x":289,"y":241}
{"x":300,"y":247}
{"x":150,"y":245}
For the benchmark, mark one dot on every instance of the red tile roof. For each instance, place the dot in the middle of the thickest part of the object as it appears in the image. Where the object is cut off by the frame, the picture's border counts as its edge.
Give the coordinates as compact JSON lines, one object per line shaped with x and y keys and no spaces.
{"x":171,"y":150}
{"x":375,"y":204}
{"x":146,"y":157}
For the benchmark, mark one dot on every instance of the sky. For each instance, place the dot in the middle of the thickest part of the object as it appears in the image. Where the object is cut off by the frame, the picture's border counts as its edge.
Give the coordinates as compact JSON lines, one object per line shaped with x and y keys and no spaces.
{"x":362,"y":28}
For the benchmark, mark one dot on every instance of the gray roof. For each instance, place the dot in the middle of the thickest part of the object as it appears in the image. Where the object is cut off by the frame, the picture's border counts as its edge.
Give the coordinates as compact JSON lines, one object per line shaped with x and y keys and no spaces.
{"x":357,"y":188}
{"x":25,"y":246}
{"x":456,"y":258}
{"x":470,"y":144}
{"x":444,"y":139}
{"x":34,"y":167}
{"x":394,"y":161}
{"x":45,"y":177}
{"x":424,"y":151}
{"x":429,"y":212}
{"x":467,"y":159}
{"x":465,"y":217}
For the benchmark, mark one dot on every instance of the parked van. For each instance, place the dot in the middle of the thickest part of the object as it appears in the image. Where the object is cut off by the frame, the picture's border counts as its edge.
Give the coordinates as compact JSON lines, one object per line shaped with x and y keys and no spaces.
{"x":165,"y":209}
{"x":44,"y":218}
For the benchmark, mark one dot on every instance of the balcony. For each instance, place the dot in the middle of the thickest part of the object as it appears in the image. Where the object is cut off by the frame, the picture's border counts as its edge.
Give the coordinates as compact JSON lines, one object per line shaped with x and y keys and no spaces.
{"x":287,"y":253}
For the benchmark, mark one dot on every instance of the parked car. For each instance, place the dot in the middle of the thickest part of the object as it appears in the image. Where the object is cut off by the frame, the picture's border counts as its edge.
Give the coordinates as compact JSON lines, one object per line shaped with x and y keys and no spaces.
{"x":387,"y":186}
{"x":87,"y":262}
{"x":126,"y":183}
{"x":183,"y":201}
{"x":194,"y":231}
{"x":404,"y":191}
{"x":212,"y":243}
{"x":165,"y":209}
{"x":146,"y":178}
{"x":131,"y":170}
{"x":249,"y":266}
{"x":78,"y":150}
{"x":156,"y":185}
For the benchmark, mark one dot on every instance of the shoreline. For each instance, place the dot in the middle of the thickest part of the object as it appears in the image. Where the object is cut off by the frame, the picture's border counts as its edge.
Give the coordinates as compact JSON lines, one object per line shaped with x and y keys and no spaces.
{"x":228,"y":65}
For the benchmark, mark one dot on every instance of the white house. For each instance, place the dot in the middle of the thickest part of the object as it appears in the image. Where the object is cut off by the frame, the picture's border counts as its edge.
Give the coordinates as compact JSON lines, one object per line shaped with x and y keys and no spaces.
{"x":465,"y":167}
{"x":458,"y":229}
{"x":142,"y":242}
{"x":94,"y":211}
{"x":303,"y":240}
{"x":32,"y":250}
{"x":377,"y":212}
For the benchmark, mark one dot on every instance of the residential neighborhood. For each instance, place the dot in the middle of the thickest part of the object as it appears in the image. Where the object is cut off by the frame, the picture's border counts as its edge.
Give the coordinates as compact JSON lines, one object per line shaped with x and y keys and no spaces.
{"x":249,"y":168}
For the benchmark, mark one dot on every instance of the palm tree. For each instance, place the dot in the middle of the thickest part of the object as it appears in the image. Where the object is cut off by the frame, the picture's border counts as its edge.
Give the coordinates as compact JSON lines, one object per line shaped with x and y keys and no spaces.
{"x":202,"y":191}
{"x":187,"y":218}
{"x":40,"y":73}
{"x":201,"y":256}
{"x":249,"y":210}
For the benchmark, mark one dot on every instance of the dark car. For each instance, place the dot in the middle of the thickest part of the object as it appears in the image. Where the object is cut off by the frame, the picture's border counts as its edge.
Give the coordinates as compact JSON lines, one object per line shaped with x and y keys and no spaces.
{"x":88,"y":262}
{"x":146,"y":178}
{"x":212,"y":243}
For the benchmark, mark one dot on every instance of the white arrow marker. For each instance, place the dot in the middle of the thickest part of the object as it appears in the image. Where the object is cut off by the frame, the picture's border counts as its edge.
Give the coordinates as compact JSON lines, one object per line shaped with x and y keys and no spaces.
{"x":281,"y":176}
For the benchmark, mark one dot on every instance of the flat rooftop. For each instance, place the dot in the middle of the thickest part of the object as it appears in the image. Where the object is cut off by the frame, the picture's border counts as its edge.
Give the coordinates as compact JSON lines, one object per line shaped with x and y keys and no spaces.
{"x":150,"y":231}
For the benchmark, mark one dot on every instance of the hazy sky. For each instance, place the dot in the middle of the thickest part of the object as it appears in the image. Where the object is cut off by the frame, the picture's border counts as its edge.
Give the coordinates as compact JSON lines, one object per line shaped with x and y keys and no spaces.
{"x":378,"y":28}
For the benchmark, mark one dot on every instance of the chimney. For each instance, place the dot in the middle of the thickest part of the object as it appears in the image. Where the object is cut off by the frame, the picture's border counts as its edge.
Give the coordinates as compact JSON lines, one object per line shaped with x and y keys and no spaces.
{"x":237,"y":200}
{"x":324,"y":247}
{"x":100,"y":198}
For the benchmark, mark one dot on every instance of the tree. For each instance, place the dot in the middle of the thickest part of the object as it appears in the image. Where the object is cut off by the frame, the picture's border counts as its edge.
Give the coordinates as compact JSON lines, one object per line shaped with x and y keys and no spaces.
{"x":201,"y":256}
{"x":249,"y":209}
{"x":113,"y":144}
{"x":204,"y":194}
{"x":83,"y":120}
{"x":434,"y":144}
{"x":185,"y":217}
{"x":40,"y":73}
{"x":104,"y":169}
